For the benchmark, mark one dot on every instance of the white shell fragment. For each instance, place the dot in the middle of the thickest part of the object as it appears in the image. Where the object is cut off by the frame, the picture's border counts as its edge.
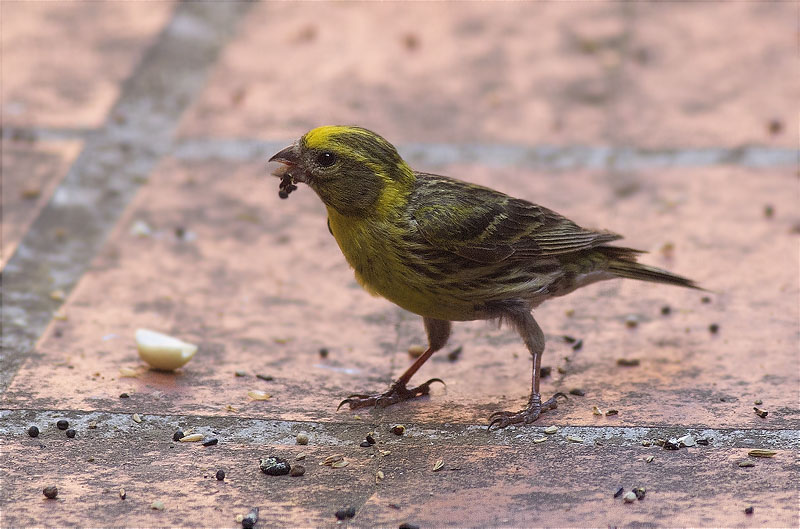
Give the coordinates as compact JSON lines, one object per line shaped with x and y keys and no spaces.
{"x":163,"y":352}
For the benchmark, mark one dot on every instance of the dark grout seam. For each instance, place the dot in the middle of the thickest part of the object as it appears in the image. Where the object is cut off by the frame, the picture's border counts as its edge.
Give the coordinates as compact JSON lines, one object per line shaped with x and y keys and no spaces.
{"x":115,"y":161}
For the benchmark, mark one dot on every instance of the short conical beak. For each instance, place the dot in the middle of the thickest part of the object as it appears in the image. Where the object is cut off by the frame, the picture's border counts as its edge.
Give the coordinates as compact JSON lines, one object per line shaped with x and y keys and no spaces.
{"x":289,"y":156}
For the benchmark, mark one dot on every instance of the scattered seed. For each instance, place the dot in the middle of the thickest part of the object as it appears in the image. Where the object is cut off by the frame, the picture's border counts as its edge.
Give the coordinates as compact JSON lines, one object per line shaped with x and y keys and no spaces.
{"x":136,"y":418}
{"x":596,"y":411}
{"x":647,"y":443}
{"x":240,"y":374}
{"x":300,"y":457}
{"x":569,"y":313}
{"x":611,"y":412}
{"x":128,"y":372}
{"x":250,"y":519}
{"x":379,"y":476}
{"x":577,"y":346}
{"x":122,"y":494}
{"x":649,"y":459}
{"x":274,"y":466}
{"x":639,"y":492}
{"x":124,"y":396}
{"x":385,"y":453}
{"x":33,"y":431}
{"x":92,"y":425}
{"x":340,"y":464}
{"x":705,"y":299}
{"x":687,"y":440}
{"x":210,"y":442}
{"x":62,"y":424}
{"x":761,"y":413}
{"x":178,"y":435}
{"x":703,"y":442}
{"x":406,"y":525}
{"x":157,"y":505}
{"x":775,"y":126}
{"x":666,"y":310}
{"x":551,"y":429}
{"x":761,"y":452}
{"x":71,"y":433}
{"x":268,"y":378}
{"x":220,"y":475}
{"x":370,"y":438}
{"x":415,"y":351}
{"x":455,"y":353}
{"x":574,"y":439}
{"x":438,"y":465}
{"x":545,"y":371}
{"x":630,"y":497}
{"x":258,"y":395}
{"x":57,"y":295}
{"x":569,"y":339}
{"x":628,"y":362}
{"x":561,"y":370}
{"x":297,"y":471}
{"x":713,"y":328}
{"x":398,"y":429}
{"x":746,"y":463}
{"x":748,"y":510}
{"x":577,"y":391}
{"x":540,"y":439}
{"x":301,"y":439}
{"x":330,"y":460}
{"x":758,"y":402}
{"x":631,"y":321}
{"x":364,"y":444}
{"x":239,"y":518}
{"x":50,"y":492}
{"x":347,"y":512}
{"x":191,"y":438}
{"x":323,"y":352}
{"x":619,"y":492}
{"x":769,"y":211}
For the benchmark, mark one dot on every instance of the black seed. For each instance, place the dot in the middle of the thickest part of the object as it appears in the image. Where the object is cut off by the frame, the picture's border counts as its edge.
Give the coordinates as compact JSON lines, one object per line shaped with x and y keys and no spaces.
{"x":406,"y":525}
{"x":577,"y":346}
{"x":347,"y":512}
{"x":628,"y":362}
{"x":178,"y":435}
{"x":364,"y":444}
{"x":761,"y":413}
{"x":670,"y":445}
{"x":323,"y":352}
{"x":703,"y":442}
{"x":577,"y":391}
{"x":210,"y":442}
{"x":398,"y":429}
{"x":455,"y":353}
{"x":545,"y":371}
{"x":297,"y":471}
{"x":775,"y":126}
{"x":33,"y":431}
{"x":769,"y":211}
{"x":268,"y":378}
{"x":749,"y":510}
{"x":250,"y":519}
{"x":705,"y":299}
{"x":370,"y":439}
{"x":640,"y":492}
{"x":619,"y":492}
{"x":351,"y":511}
{"x":282,"y":194}
{"x":71,"y":433}
{"x":713,"y":328}
{"x":63,"y":424}
{"x":50,"y":492}
{"x":275,"y":466}
{"x":220,"y":475}
{"x":666,"y":310}
{"x":124,"y":395}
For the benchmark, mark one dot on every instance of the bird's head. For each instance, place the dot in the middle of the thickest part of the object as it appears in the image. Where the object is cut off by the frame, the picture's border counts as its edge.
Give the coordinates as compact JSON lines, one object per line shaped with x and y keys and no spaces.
{"x":353,"y":170}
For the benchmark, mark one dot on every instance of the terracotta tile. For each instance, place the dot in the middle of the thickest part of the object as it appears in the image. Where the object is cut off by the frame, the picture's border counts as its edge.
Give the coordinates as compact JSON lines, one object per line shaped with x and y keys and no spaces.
{"x":30,"y":173}
{"x":261,"y":286}
{"x":64,"y":62}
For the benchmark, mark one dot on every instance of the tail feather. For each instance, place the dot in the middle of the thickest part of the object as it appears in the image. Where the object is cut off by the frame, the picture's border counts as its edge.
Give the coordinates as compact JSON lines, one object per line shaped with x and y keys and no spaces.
{"x":622,"y":263}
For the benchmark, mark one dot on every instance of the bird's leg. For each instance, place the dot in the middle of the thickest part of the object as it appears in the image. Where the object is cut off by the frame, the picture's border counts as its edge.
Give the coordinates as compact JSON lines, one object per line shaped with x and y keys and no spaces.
{"x":438,"y":331}
{"x":533,"y":337}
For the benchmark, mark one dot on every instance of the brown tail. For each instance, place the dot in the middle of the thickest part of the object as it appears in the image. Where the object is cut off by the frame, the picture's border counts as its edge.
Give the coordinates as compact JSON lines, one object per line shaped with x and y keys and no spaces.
{"x":622,"y":263}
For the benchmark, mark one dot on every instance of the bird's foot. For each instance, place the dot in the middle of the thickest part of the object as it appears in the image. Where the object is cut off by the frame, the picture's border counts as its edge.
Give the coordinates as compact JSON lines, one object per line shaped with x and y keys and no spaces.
{"x":501,"y":419}
{"x":398,"y":392}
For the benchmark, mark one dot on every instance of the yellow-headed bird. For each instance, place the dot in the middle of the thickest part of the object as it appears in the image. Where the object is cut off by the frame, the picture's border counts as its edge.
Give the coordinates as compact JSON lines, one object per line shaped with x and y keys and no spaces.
{"x":449,"y":250}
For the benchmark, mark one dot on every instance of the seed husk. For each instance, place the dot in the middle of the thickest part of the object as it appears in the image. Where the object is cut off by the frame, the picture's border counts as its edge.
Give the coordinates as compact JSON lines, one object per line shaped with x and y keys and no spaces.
{"x":647,"y":443}
{"x":300,"y":457}
{"x":630,"y":497}
{"x":274,"y":466}
{"x":761,"y":452}
{"x":577,"y":391}
{"x":370,"y":438}
{"x":136,"y":418}
{"x":639,"y":492}
{"x":297,"y":471}
{"x":239,"y":518}
{"x":92,"y":425}
{"x":746,"y":463}
{"x":628,"y":362}
{"x":331,"y":460}
{"x":415,"y":351}
{"x":455,"y":353}
{"x":122,"y":494}
{"x":649,"y":459}
{"x":62,"y":424}
{"x":574,"y":439}
{"x":268,"y":378}
{"x":761,"y":413}
{"x":50,"y":492}
{"x":398,"y":429}
{"x":157,"y":505}
{"x":379,"y":476}
{"x":239,"y":374}
{"x":569,"y":339}
{"x":33,"y":431}
{"x":577,"y":346}
{"x":210,"y":441}
{"x":612,"y":412}
{"x":258,"y":395}
{"x":687,"y":440}
{"x":551,"y":429}
{"x":301,"y":439}
{"x":340,"y":464}
{"x":631,"y":321}
{"x":191,"y":438}
{"x":758,"y":402}
{"x":672,"y":444}
{"x":540,"y":439}
{"x":596,"y":411}
{"x":124,"y":396}
{"x":619,"y":492}
{"x":438,"y":465}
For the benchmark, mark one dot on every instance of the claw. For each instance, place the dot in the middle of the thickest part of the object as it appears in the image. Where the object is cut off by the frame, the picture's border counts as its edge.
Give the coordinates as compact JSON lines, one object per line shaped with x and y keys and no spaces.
{"x":398,"y":392}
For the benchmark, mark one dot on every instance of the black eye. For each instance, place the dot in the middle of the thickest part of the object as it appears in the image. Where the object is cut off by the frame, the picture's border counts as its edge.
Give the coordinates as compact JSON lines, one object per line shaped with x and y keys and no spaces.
{"x":326,"y":158}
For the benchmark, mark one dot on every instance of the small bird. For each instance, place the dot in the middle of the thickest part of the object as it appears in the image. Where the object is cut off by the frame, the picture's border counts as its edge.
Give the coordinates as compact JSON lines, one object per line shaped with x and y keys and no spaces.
{"x":449,"y":250}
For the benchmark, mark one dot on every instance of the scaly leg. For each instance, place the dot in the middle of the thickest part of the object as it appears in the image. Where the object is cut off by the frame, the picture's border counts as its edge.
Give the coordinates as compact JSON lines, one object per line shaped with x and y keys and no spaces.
{"x":533,"y":337}
{"x":438,"y":332}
